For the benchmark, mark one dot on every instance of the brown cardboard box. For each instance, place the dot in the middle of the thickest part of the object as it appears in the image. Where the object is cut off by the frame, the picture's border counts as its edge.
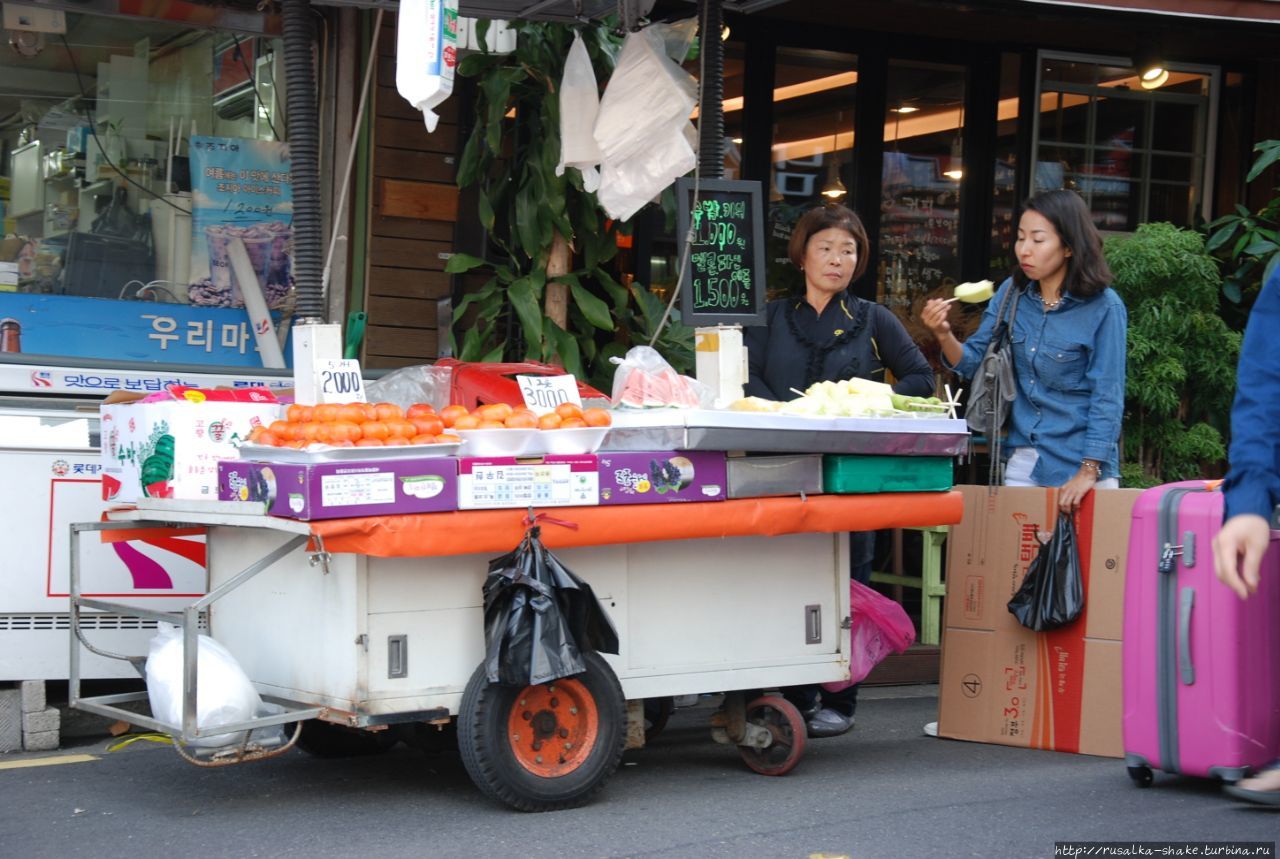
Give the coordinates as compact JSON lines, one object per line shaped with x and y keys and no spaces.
{"x":1002,"y":683}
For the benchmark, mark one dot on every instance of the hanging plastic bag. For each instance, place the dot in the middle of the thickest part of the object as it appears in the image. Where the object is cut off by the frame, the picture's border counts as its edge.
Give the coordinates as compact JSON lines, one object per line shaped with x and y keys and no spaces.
{"x":579,"y":104}
{"x":539,"y":617}
{"x":1052,"y":594}
{"x":224,"y":694}
{"x":644,"y":380}
{"x":879,"y":627}
{"x":643,"y":127}
{"x":426,"y":54}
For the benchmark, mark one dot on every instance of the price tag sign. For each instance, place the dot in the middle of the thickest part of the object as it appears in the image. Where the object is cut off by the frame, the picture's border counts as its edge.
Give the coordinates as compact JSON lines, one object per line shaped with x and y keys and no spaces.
{"x":542,"y":394}
{"x":339,"y":381}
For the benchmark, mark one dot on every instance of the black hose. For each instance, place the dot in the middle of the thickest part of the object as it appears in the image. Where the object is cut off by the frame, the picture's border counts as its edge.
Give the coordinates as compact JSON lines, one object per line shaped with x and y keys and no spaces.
{"x":304,"y":157}
{"x":711,"y":115}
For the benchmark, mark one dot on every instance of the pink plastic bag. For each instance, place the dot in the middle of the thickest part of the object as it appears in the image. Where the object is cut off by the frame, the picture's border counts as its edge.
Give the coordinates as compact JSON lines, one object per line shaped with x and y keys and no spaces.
{"x":880,"y":627}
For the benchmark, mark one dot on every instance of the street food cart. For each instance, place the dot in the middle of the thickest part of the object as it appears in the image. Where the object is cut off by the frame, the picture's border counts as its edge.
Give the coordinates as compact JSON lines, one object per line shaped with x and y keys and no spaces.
{"x":373,"y":623}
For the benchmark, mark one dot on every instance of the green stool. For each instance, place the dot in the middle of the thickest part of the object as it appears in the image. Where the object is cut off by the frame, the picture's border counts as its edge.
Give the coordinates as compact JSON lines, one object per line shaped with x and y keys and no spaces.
{"x":929,"y":582}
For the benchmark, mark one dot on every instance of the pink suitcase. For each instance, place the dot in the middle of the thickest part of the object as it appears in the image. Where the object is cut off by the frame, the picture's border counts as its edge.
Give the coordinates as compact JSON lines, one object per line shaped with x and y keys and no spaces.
{"x":1201,"y":666}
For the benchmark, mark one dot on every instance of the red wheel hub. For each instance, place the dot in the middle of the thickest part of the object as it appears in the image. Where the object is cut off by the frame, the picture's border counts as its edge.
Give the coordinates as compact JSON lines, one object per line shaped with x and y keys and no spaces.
{"x":552,"y":727}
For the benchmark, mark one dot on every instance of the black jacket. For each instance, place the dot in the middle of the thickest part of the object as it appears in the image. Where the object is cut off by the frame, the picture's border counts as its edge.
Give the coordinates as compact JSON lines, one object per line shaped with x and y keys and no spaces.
{"x":852,"y":338}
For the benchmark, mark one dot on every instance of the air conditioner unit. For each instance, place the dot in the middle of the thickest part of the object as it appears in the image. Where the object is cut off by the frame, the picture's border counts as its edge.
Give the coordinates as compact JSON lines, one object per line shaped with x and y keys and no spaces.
{"x":232,"y":83}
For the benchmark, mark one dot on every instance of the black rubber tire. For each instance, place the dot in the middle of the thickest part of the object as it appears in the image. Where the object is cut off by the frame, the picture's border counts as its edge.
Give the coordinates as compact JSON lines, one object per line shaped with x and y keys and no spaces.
{"x":1142,"y":776}
{"x":487,"y":755}
{"x":327,"y":740}
{"x":786,"y":724}
{"x":656,"y":713}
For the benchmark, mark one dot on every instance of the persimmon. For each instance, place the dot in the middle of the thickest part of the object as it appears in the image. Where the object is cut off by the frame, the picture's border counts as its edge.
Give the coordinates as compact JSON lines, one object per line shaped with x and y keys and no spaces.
{"x":374,"y":429}
{"x":345,"y":431}
{"x":266,"y":437}
{"x":401,"y":429}
{"x":299,"y":413}
{"x":425,"y":438}
{"x":466,"y":422}
{"x":549,"y":421}
{"x":572,"y":423}
{"x":494,"y":412}
{"x":296,"y":444}
{"x":325,"y":413}
{"x":427,"y":424}
{"x":448,"y":438}
{"x":569,"y":410}
{"x":389,"y":412}
{"x":279,"y":429}
{"x":420,"y":410}
{"x":351,"y":412}
{"x":597,"y":417}
{"x":397,"y":441}
{"x":370,"y":411}
{"x":369,"y":442}
{"x":451,"y":413}
{"x":309,"y":430}
{"x":521,"y":420}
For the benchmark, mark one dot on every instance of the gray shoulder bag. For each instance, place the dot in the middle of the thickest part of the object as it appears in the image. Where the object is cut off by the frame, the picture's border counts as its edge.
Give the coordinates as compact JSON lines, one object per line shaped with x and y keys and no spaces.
{"x":993,"y":386}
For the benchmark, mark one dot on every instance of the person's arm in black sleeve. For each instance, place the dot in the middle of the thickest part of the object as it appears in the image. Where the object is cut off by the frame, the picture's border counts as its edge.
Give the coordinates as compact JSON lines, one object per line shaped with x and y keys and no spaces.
{"x":756,"y":340}
{"x":902,"y":356}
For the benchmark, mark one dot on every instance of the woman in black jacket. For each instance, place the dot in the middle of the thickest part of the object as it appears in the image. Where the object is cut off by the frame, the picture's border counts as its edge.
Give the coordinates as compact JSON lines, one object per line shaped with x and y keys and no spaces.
{"x":827,"y":335}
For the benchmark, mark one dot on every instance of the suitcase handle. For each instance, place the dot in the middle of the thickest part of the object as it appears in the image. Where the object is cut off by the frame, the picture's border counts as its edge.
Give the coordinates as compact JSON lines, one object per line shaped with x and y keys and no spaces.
{"x":1186,"y":667}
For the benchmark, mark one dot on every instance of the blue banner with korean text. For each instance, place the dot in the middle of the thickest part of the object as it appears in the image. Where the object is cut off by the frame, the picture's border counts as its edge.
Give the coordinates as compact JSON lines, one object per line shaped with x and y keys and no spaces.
{"x":133,"y":330}
{"x":240,"y":190}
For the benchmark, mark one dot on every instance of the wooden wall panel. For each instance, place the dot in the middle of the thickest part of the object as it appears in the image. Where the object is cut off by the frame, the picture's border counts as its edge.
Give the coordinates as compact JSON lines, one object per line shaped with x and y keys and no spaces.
{"x":413,"y":206}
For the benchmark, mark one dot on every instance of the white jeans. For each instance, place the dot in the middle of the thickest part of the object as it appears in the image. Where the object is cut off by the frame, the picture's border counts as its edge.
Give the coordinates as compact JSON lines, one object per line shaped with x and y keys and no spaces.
{"x":1017,"y":471}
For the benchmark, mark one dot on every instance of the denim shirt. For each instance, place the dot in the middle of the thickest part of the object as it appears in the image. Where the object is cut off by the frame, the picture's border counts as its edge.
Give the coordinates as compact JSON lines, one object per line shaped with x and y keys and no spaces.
{"x":1253,"y":480}
{"x":1069,"y":364}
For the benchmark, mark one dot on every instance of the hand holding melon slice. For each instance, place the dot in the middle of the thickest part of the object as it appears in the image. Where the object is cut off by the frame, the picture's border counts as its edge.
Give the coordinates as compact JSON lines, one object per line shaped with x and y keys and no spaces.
{"x":973,"y":293}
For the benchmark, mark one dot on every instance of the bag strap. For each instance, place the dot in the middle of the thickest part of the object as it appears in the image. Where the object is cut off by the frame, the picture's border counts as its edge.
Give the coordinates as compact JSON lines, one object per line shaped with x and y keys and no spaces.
{"x":1003,"y":337}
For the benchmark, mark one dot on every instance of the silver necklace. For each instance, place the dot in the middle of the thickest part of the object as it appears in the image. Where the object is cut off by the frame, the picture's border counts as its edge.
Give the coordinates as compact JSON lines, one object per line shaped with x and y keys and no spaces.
{"x":1050,"y":305}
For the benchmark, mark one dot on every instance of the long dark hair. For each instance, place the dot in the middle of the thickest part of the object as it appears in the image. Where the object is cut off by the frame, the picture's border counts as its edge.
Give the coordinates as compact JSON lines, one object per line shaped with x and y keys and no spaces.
{"x":824,"y":218}
{"x":1087,"y":271}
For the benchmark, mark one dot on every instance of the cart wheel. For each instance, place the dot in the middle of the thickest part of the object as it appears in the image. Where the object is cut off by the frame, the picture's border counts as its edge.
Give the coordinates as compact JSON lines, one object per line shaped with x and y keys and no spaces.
{"x":543,"y":747}
{"x":656,"y":713}
{"x":327,"y":740}
{"x":780,"y":717}
{"x":1141,"y":776}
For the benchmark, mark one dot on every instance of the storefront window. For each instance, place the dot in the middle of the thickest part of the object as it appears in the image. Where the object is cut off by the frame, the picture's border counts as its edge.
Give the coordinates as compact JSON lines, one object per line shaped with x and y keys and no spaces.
{"x":1004,"y":186}
{"x":147,"y":184}
{"x":814,"y":93}
{"x":1135,"y":154}
{"x":924,"y":156}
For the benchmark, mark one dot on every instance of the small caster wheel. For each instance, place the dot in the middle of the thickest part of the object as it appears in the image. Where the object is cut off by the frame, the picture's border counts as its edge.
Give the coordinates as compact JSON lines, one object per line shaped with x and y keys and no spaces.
{"x":781,"y":719}
{"x":1141,"y":776}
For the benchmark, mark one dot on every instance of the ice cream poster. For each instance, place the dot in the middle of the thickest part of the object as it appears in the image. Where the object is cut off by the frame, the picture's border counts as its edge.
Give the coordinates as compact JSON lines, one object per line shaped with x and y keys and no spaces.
{"x":240,"y":189}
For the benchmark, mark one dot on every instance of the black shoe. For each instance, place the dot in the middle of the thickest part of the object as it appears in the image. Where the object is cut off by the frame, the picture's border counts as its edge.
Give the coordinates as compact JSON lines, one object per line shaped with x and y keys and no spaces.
{"x":829,"y":723}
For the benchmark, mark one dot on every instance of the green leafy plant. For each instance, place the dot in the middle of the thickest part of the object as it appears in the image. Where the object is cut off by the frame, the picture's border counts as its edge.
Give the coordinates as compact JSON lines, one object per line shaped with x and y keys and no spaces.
{"x":1181,"y":355}
{"x":551,"y":296}
{"x":1247,"y":242}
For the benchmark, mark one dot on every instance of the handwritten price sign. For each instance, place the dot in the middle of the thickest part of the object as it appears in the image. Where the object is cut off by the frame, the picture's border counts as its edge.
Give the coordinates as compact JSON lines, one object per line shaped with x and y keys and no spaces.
{"x":542,"y":394}
{"x":339,"y":381}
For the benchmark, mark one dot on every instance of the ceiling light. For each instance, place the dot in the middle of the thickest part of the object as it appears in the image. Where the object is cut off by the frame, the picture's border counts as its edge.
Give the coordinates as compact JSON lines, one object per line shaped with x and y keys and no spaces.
{"x":1154,"y":78}
{"x":834,"y":189}
{"x":906,"y":108}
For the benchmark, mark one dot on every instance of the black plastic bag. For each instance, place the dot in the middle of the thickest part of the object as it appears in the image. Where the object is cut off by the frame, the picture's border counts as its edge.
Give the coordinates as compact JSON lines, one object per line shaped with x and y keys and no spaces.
{"x":539,"y":617}
{"x":1052,"y":594}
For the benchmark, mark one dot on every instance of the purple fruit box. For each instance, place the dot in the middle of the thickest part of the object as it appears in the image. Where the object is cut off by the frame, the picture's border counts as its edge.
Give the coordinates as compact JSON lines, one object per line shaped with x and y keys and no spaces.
{"x":662,"y":476}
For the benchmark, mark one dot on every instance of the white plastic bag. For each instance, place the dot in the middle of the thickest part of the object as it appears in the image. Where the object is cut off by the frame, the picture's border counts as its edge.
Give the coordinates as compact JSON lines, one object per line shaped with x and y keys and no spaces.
{"x":579,"y":104}
{"x":417,"y":383}
{"x":644,"y":380}
{"x":426,"y":53}
{"x":643,"y":127}
{"x":224,"y":694}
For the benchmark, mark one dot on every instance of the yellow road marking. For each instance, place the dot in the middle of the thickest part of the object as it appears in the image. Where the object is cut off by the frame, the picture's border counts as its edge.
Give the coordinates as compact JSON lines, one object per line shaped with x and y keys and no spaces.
{"x":47,"y":762}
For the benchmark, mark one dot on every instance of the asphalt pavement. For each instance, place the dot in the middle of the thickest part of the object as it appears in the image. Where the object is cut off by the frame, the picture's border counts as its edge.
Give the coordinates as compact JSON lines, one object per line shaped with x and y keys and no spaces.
{"x":883,"y":790}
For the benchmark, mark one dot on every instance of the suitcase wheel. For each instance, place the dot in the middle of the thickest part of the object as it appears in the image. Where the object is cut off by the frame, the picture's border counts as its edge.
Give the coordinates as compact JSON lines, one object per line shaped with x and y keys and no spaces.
{"x":1141,"y":776}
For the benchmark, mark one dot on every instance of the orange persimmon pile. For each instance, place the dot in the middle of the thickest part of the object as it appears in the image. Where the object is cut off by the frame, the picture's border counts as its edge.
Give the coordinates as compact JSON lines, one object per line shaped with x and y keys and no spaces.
{"x":386,"y":424}
{"x":504,"y":416}
{"x":355,"y":425}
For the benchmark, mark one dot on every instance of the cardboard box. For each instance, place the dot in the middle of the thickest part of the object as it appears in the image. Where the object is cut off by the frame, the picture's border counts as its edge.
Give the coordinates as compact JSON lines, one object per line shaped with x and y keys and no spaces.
{"x":333,"y":490}
{"x":170,"y":448}
{"x":554,"y":480}
{"x":661,"y":476}
{"x":1003,"y":683}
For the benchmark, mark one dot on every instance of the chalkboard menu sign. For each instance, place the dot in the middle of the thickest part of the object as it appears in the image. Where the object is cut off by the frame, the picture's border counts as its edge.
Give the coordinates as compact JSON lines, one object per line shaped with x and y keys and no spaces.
{"x":723,"y":281}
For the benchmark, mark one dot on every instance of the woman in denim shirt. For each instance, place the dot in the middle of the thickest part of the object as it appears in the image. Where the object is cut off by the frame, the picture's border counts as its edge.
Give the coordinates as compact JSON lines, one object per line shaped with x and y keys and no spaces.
{"x":1068,"y":352}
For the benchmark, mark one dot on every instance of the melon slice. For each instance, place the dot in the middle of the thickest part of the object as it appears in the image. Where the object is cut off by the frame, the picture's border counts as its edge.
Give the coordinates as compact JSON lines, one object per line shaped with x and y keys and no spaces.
{"x":973,"y":293}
